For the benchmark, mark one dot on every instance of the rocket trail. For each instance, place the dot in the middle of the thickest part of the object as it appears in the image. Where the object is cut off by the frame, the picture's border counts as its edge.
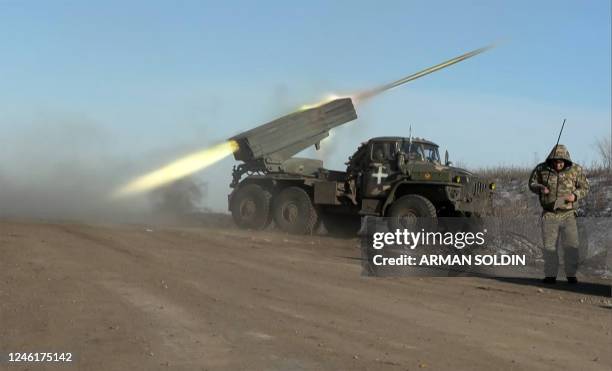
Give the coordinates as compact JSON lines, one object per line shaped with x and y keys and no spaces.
{"x":370,"y":93}
{"x":363,"y":95}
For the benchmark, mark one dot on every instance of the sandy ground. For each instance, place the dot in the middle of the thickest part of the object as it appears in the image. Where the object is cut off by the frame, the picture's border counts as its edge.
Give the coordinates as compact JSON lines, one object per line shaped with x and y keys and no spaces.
{"x":153,"y":298}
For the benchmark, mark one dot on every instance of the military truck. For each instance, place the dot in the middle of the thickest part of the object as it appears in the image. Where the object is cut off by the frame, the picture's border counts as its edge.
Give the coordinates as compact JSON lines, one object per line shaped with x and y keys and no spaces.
{"x":402,"y":178}
{"x":398,"y":177}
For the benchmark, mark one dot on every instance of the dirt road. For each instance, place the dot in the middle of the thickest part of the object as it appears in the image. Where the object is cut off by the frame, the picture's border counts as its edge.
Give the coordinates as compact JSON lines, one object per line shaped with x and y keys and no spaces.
{"x":153,"y":298}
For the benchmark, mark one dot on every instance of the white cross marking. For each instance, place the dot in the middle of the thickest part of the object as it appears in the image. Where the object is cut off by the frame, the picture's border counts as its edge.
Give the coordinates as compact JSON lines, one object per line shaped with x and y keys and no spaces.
{"x":379,"y":175}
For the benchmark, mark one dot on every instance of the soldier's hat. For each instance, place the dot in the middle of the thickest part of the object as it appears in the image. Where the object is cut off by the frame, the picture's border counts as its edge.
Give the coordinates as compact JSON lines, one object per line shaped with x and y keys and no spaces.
{"x":560,"y":152}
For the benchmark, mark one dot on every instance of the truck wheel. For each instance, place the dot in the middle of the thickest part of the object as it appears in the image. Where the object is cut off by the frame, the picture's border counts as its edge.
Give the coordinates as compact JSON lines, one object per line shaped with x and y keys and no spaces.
{"x":339,"y":225}
{"x":251,"y":207}
{"x":293,"y":211}
{"x":412,"y":212}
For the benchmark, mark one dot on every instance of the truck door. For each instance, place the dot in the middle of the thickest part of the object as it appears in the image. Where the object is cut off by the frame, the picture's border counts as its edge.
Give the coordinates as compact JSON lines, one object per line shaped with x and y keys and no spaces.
{"x":376,"y":179}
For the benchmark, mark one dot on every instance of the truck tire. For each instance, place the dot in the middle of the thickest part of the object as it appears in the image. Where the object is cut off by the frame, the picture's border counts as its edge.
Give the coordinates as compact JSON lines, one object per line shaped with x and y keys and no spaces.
{"x":251,"y":207}
{"x":339,"y":225}
{"x":293,"y":211}
{"x":412,"y":212}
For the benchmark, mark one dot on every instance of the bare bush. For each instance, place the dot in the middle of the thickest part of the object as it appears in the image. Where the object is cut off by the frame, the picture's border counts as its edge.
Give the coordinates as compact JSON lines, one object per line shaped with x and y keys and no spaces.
{"x":505,"y":173}
{"x":604,"y":148}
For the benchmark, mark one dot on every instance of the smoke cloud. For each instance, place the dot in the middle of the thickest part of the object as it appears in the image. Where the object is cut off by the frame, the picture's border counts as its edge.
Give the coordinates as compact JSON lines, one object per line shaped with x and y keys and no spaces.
{"x":66,"y":168}
{"x":180,"y":198}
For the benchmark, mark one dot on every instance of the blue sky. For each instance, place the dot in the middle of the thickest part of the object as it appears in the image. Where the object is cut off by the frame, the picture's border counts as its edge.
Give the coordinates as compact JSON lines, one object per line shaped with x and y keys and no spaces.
{"x":141,"y":78}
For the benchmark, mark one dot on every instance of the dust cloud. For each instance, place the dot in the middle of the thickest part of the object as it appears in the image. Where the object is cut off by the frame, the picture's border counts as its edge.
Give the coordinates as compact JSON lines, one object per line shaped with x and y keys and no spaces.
{"x":65,"y":169}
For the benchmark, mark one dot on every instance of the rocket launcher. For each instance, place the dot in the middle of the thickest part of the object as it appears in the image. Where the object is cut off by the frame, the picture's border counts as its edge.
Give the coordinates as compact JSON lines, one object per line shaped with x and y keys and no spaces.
{"x":268,"y":146}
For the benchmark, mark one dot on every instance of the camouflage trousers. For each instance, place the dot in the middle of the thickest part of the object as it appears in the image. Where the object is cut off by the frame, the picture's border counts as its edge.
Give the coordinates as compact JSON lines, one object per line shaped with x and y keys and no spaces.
{"x":554,"y":225}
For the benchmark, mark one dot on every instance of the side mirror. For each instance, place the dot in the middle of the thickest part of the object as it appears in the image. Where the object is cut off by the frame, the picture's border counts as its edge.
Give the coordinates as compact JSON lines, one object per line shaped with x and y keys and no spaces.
{"x":446,"y":162}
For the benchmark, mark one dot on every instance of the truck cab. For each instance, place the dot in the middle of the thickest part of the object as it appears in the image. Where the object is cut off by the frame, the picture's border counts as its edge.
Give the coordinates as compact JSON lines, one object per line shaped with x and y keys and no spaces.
{"x":388,"y":159}
{"x":385,"y":169}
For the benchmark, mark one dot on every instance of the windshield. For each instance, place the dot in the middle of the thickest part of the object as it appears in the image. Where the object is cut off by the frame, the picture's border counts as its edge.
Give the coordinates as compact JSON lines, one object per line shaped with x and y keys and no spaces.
{"x":421,"y":152}
{"x":380,"y":151}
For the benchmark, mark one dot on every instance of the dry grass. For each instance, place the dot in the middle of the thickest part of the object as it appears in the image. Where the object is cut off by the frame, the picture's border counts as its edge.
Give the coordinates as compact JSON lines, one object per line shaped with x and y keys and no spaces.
{"x":507,"y":174}
{"x":504,"y":174}
{"x":599,"y":171}
{"x":513,"y":198}
{"x":604,"y":148}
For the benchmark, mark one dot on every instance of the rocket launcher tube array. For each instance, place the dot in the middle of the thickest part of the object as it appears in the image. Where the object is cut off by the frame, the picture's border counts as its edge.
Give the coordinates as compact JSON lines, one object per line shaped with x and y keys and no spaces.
{"x":284,"y":137}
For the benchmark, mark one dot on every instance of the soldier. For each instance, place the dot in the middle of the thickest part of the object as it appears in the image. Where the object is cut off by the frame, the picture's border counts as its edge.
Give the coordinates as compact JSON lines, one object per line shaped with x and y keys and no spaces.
{"x":560,"y":184}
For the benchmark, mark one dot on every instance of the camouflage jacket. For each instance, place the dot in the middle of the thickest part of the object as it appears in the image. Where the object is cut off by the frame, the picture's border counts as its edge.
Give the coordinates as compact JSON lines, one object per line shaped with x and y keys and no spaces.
{"x":570,"y":180}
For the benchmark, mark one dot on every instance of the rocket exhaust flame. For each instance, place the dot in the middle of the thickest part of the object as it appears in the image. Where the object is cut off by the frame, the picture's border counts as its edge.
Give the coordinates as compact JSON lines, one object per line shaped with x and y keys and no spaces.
{"x":327,"y":99}
{"x":178,"y":169}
